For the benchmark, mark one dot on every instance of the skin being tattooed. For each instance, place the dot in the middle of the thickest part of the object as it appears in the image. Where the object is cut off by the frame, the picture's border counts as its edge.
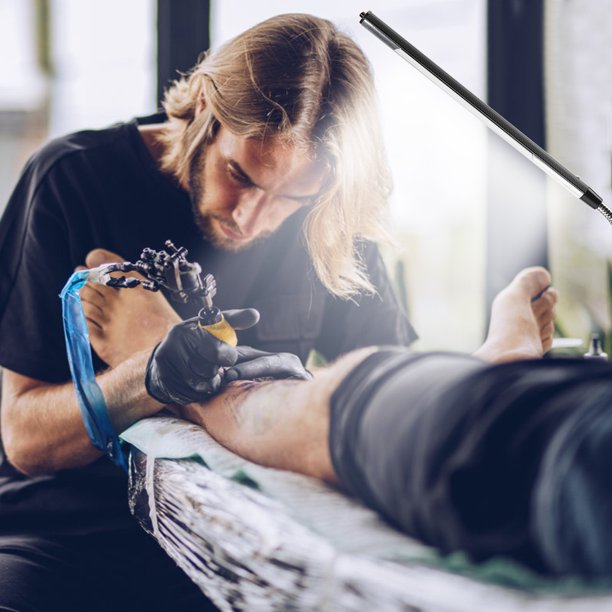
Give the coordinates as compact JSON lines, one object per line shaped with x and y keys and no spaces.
{"x":266,"y":421}
{"x":254,"y":411}
{"x":285,"y":424}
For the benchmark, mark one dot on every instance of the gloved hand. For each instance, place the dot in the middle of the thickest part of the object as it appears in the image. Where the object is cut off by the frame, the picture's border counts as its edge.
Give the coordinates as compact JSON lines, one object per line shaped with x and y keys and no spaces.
{"x":253,"y":363}
{"x":191,"y":365}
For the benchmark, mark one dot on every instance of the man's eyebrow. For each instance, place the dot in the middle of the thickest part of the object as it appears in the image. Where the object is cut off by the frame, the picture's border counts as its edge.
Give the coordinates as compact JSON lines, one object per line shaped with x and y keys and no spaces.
{"x":236,"y":167}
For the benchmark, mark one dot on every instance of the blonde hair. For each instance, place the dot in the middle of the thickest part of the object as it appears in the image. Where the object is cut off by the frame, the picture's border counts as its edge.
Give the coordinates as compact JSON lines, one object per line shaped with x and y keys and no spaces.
{"x":298,"y":77}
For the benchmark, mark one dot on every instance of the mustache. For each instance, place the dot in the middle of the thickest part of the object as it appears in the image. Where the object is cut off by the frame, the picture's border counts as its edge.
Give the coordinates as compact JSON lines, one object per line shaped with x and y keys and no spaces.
{"x":204,"y":223}
{"x":229,"y":223}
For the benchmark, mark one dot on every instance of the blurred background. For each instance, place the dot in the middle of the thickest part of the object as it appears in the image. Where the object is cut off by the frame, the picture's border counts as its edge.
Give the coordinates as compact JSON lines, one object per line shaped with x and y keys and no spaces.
{"x":467,"y":211}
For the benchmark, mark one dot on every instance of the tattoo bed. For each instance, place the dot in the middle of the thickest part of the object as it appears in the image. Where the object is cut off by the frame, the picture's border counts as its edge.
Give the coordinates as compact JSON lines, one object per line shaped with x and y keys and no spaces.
{"x":255,"y":538}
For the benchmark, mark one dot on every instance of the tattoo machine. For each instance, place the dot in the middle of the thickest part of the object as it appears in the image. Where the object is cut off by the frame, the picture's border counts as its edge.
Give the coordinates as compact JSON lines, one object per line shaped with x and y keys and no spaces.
{"x":169,"y":269}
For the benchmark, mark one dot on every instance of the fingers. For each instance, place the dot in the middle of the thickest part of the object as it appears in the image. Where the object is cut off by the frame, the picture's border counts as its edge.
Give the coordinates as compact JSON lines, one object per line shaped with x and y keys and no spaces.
{"x":93,"y":311}
{"x":97,"y":257}
{"x":247,"y":353}
{"x":184,"y":367}
{"x":274,"y":365}
{"x":96,"y":304}
{"x":95,"y":329}
{"x":202,"y":389}
{"x":93,"y":308}
{"x":93,"y":292}
{"x":242,"y":318}
{"x":199,"y":345}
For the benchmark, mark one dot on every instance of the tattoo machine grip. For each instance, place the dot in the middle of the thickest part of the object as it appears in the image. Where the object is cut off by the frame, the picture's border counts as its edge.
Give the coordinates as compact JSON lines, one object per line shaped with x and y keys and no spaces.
{"x":213,"y":321}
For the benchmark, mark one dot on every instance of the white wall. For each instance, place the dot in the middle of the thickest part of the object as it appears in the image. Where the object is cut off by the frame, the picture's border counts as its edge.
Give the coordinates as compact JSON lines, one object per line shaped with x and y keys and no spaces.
{"x":104,"y":58}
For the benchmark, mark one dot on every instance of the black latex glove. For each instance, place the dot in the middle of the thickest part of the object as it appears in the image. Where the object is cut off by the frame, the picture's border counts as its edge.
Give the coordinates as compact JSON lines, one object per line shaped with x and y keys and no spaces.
{"x":191,"y":365}
{"x":253,"y":363}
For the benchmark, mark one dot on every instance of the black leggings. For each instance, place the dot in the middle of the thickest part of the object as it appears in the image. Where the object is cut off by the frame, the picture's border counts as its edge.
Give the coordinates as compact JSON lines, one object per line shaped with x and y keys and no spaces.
{"x":512,"y":459}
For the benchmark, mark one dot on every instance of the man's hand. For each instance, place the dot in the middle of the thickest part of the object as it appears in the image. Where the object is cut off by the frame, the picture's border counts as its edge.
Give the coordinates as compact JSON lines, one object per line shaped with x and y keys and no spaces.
{"x":191,"y":365}
{"x":123,"y":322}
{"x":253,"y":363}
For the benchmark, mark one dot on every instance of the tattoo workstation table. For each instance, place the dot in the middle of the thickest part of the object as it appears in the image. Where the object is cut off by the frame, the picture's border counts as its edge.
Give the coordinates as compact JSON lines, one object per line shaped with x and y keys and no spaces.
{"x":254,"y":538}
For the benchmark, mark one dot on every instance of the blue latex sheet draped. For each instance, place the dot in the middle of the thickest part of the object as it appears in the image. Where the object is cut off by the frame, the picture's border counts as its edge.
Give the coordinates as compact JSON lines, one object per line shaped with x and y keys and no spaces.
{"x":91,"y":399}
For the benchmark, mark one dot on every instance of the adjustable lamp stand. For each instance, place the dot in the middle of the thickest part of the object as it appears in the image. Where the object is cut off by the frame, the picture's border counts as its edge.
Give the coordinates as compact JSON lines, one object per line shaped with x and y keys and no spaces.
{"x":483,"y":111}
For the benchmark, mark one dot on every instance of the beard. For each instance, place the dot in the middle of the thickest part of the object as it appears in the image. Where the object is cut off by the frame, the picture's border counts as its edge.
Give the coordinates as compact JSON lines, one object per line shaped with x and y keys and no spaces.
{"x":203,"y":220}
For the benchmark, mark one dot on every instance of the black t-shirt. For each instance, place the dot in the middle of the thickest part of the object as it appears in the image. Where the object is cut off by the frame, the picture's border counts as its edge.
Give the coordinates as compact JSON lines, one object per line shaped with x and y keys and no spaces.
{"x":102,"y":189}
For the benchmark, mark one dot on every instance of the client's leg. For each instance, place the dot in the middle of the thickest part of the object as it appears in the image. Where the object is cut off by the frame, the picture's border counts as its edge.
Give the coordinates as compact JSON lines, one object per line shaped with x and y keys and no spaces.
{"x":464,"y":455}
{"x":507,"y":459}
{"x":495,"y":460}
{"x":282,"y":424}
{"x":285,"y":424}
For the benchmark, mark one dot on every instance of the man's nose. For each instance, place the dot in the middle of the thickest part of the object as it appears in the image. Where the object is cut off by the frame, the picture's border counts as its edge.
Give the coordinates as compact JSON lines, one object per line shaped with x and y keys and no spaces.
{"x":249,"y":213}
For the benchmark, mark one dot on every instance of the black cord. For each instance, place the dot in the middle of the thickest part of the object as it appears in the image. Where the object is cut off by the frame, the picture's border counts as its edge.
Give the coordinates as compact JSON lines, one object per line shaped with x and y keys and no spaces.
{"x":606,"y":212}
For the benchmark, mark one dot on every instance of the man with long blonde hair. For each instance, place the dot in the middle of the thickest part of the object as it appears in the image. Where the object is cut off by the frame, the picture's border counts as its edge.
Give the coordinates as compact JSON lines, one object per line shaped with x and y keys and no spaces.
{"x":296,"y":81}
{"x":268,"y":166}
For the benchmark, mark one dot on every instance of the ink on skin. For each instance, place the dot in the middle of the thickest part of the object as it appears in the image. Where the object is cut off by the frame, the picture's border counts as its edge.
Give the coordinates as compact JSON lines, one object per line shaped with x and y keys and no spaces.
{"x":257,"y":412}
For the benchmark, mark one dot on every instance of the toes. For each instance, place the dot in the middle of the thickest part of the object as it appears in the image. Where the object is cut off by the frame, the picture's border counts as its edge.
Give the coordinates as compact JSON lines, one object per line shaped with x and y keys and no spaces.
{"x":533,"y":280}
{"x":547,"y":330}
{"x":553,"y":294}
{"x":546,"y":335}
{"x":545,"y":304}
{"x":547,"y":344}
{"x":97,"y":257}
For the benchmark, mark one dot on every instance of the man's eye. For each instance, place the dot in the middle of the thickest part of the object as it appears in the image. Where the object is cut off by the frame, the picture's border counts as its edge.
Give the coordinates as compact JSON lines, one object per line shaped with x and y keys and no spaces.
{"x":236,"y":176}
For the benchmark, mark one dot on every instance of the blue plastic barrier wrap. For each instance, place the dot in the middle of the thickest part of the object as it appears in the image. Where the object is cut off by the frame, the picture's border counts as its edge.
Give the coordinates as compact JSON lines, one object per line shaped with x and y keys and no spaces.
{"x":91,"y":399}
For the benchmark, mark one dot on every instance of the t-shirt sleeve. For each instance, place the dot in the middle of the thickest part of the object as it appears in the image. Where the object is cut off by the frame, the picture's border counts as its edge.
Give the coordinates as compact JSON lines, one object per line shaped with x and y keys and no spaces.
{"x":369,"y":320}
{"x":36,"y":262}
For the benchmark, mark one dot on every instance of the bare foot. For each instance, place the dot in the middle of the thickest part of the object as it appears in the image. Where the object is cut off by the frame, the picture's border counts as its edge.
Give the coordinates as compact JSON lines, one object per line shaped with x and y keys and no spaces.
{"x":521,"y":328}
{"x":123,"y":321}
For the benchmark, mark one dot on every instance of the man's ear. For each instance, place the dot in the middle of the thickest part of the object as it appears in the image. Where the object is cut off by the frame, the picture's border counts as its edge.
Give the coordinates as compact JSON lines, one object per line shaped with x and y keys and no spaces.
{"x":200,"y":104}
